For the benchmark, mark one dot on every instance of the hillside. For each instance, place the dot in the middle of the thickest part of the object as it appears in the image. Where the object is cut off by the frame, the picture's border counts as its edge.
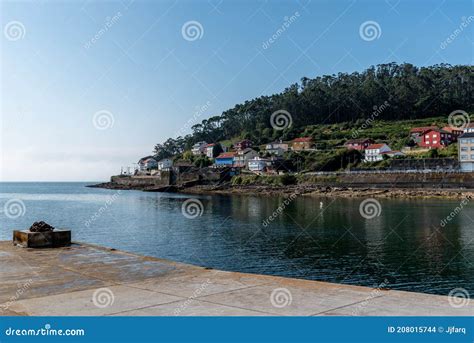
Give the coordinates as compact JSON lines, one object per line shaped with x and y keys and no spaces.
{"x":381,"y":94}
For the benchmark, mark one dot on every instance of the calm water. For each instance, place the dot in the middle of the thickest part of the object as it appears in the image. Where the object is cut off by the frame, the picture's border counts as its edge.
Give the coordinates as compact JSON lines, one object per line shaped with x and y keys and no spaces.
{"x":318,"y":239}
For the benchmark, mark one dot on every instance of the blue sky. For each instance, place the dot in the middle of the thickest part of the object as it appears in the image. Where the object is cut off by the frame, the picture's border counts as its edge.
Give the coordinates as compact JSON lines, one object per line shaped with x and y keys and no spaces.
{"x":63,"y":62}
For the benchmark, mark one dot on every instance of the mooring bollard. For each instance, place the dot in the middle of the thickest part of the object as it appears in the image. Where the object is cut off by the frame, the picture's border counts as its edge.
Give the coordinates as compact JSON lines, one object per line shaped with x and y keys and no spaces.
{"x":42,"y":235}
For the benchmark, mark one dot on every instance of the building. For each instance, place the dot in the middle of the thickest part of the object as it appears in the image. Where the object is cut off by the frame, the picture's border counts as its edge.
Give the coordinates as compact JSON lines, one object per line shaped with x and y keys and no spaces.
{"x":416,"y":132}
{"x":301,"y":144}
{"x":393,"y":153}
{"x":469,"y":128}
{"x":243,"y":156}
{"x":375,"y":152}
{"x":466,"y":151}
{"x":435,"y":138}
{"x":276,"y":148}
{"x":165,"y":164}
{"x":225,"y":159}
{"x":359,"y":144}
{"x":147,"y":163}
{"x":213,"y":150}
{"x":454,"y":131}
{"x":258,"y":164}
{"x":199,"y":148}
{"x":243,"y":144}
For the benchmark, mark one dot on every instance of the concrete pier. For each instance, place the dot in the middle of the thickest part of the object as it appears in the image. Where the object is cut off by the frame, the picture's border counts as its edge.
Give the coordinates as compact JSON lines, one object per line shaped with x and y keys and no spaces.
{"x":89,"y":280}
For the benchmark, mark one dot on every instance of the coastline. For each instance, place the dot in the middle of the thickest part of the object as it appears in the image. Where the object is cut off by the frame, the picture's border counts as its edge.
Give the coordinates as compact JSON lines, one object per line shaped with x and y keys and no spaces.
{"x":305,"y":190}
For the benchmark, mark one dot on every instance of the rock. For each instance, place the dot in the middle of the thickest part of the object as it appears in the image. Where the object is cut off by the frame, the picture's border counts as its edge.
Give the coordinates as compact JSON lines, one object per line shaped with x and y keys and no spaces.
{"x":41,"y":227}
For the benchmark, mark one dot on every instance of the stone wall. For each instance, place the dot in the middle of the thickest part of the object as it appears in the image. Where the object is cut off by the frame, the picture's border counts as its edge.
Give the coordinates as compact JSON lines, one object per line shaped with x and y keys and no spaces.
{"x":142,"y":181}
{"x":393,"y":180}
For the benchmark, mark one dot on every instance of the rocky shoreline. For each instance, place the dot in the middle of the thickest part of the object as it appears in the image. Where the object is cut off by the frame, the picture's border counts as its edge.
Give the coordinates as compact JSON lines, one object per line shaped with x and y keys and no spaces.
{"x":307,"y":190}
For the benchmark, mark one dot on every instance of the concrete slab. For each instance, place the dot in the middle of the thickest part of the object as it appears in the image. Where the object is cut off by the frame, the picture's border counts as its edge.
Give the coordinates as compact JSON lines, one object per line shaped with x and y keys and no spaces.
{"x":192,"y":307}
{"x":89,"y":280}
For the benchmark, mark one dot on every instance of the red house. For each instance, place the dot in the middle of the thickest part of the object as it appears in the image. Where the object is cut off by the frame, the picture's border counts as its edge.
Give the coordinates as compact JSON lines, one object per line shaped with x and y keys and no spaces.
{"x":243,"y":144}
{"x":435,"y":138}
{"x":359,"y":144}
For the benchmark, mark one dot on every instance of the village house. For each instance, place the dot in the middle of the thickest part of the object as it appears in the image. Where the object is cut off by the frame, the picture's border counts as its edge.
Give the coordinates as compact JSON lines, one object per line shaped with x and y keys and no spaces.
{"x":225,"y":159}
{"x":276,"y":148}
{"x":243,"y":156}
{"x":165,"y":164}
{"x":454,"y":131}
{"x":416,"y":132}
{"x":435,"y":138}
{"x":199,"y":148}
{"x":374,"y":152}
{"x":147,"y":163}
{"x":213,"y":150}
{"x":466,"y":152}
{"x":301,"y":144}
{"x":359,"y":144}
{"x":258,"y":164}
{"x":244,"y":144}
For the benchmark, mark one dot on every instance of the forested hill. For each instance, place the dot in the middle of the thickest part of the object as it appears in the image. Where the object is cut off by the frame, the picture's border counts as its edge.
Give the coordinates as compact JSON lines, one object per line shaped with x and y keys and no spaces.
{"x":409,"y":91}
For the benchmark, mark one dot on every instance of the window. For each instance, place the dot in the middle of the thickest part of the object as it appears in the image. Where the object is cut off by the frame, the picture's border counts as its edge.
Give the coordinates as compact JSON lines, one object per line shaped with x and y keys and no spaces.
{"x":435,"y":135}
{"x":463,"y":157}
{"x":464,"y":148}
{"x":472,"y":157}
{"x":472,"y":148}
{"x":435,"y":142}
{"x":472,"y":140}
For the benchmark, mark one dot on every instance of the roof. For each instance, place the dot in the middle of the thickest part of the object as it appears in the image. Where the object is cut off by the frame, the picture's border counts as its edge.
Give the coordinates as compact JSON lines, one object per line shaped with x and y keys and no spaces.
{"x":303,"y":139}
{"x":451,"y":129}
{"x":146,"y":158}
{"x":210,"y":144}
{"x":423,"y":128}
{"x":245,"y":151}
{"x":227,"y":155}
{"x":376,"y":146}
{"x":435,"y":130}
{"x":467,"y":135}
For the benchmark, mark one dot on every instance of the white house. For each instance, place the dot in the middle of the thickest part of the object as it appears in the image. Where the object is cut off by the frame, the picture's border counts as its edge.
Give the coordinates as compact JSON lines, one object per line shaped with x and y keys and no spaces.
{"x":375,"y":152}
{"x":165,"y":164}
{"x":243,"y":156}
{"x":258,"y":164}
{"x":276,"y":148}
{"x":147,"y":163}
{"x":199,"y":148}
{"x":466,"y":151}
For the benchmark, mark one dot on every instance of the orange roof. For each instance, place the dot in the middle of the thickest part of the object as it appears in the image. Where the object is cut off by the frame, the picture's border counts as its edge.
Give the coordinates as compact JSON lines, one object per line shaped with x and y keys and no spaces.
{"x":376,"y":146}
{"x":451,"y":129}
{"x":226,"y":155}
{"x":303,"y":139}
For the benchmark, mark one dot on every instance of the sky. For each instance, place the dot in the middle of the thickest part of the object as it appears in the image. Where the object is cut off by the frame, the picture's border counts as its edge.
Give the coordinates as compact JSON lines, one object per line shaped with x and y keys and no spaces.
{"x":90,"y":86}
